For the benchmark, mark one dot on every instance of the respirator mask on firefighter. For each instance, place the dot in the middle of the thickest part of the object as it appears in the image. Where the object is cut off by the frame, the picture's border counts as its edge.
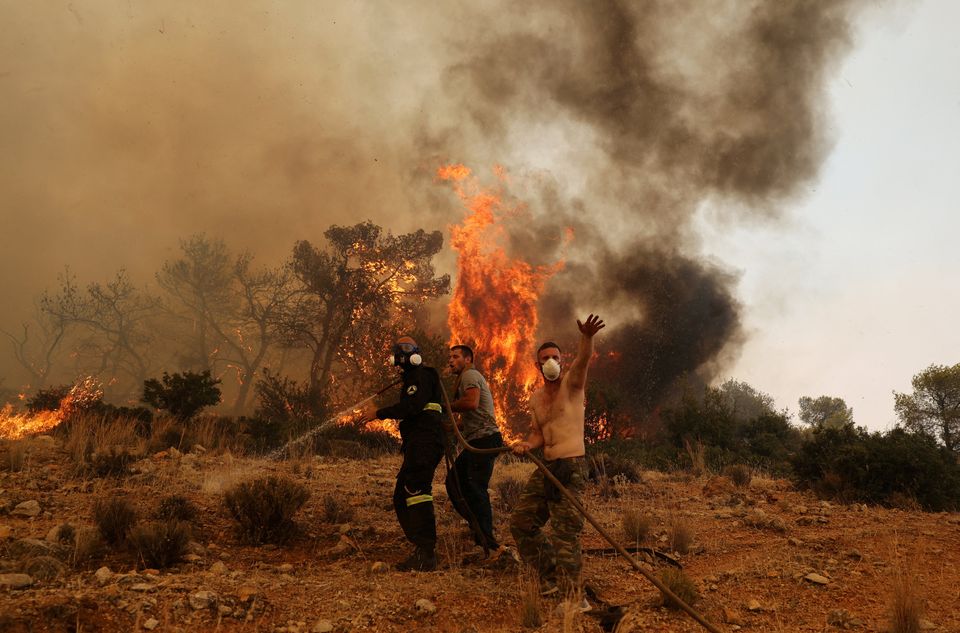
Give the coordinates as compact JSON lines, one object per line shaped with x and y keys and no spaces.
{"x":550,"y":369}
{"x":405,"y":355}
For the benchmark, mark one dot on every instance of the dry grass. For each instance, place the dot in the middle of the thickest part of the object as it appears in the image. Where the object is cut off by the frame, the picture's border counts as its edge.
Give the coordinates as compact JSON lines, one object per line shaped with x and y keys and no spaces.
{"x":114,"y":518}
{"x":636,"y":526}
{"x":680,"y":533}
{"x":739,"y":474}
{"x":531,"y":604}
{"x":16,"y":451}
{"x":697,"y":453}
{"x":681,"y":585}
{"x":89,"y":435}
{"x":335,"y":510}
{"x":906,"y":604}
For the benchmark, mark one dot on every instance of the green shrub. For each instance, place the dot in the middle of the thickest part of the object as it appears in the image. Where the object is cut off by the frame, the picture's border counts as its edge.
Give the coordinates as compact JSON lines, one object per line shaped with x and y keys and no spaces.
{"x":160,"y":544}
{"x":183,"y":395}
{"x":114,"y":518}
{"x":851,"y":464}
{"x":264,"y":508}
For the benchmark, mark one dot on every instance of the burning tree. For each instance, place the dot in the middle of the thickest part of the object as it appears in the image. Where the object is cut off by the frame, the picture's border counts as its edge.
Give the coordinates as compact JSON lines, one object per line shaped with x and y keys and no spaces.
{"x":354,"y":297}
{"x":494,"y":305}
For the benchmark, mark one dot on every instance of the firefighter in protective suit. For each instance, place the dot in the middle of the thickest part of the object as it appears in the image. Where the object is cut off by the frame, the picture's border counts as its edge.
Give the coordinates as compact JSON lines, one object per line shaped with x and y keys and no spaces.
{"x":421,"y":434}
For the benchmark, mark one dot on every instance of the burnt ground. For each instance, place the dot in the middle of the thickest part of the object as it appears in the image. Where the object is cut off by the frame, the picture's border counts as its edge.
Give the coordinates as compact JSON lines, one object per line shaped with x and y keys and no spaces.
{"x":753,"y":550}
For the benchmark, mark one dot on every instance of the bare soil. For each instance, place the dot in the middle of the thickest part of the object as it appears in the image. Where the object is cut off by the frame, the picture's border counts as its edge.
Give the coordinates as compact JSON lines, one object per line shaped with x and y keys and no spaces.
{"x":752,"y":553}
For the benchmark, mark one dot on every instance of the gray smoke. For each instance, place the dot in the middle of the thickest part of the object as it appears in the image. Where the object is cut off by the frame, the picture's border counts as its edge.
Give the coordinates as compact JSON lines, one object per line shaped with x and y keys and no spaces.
{"x":128,"y":125}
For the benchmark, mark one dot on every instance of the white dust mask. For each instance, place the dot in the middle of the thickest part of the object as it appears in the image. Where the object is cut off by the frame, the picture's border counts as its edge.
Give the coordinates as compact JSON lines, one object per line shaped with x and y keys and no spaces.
{"x":551,"y":369}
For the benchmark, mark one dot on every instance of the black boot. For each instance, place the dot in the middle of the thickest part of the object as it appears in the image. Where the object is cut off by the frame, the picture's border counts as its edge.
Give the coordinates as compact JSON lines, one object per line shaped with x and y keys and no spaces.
{"x":420,"y":560}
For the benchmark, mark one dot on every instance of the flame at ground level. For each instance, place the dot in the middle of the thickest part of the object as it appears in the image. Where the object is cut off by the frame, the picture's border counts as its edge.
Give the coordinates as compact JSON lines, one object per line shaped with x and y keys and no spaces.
{"x":14,"y":426}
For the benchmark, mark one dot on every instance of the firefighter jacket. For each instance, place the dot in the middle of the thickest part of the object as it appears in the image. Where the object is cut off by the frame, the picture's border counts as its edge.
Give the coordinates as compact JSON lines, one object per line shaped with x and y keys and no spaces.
{"x":419,"y":406}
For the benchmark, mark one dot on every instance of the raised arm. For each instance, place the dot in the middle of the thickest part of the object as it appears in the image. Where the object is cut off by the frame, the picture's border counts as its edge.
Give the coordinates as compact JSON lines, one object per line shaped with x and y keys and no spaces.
{"x":577,"y":376}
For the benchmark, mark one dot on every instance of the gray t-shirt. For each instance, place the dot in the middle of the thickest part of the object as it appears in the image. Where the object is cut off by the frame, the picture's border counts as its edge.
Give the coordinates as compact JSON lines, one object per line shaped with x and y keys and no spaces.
{"x":482,"y":421}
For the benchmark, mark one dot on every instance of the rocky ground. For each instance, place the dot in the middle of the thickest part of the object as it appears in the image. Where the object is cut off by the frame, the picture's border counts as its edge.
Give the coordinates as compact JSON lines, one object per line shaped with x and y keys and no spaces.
{"x":764,"y":558}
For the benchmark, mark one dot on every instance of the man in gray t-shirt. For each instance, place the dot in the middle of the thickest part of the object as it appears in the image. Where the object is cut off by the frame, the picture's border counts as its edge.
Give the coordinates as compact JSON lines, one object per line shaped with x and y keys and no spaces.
{"x":481,"y":421}
{"x":478,"y":424}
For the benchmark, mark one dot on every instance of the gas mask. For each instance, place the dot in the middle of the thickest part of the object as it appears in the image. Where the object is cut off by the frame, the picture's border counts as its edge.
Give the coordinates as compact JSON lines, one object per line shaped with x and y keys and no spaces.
{"x":405,"y":355}
{"x":550,"y":369}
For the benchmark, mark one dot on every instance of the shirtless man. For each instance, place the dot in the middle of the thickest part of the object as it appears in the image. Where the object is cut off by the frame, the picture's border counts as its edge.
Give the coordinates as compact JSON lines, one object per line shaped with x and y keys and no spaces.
{"x":557,"y":426}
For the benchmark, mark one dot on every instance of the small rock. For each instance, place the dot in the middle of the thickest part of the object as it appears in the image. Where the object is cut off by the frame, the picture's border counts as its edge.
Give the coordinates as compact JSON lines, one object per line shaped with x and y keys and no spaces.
{"x":151,"y":624}
{"x":192,"y":558}
{"x":794,"y":541}
{"x":855,"y":554}
{"x":345,"y":528}
{"x":379,"y":567}
{"x":27,"y":509}
{"x":15,"y":581}
{"x":754,"y":605}
{"x":202,"y":600}
{"x":199,"y":449}
{"x":817,"y":579}
{"x":5,"y":531}
{"x":343,"y":547}
{"x":927,"y":625}
{"x":53,"y":536}
{"x":174,"y":453}
{"x":218,"y":568}
{"x":103,"y":576}
{"x":27,"y":547}
{"x":285,"y":568}
{"x":196,"y":548}
{"x":143,"y":586}
{"x":425,"y":607}
{"x":44,"y":567}
{"x":732,"y":617}
{"x":246,"y":593}
{"x":322,"y":626}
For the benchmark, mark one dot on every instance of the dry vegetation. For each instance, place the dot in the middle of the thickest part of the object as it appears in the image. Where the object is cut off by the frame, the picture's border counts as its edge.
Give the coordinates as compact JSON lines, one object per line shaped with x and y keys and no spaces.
{"x":760,"y":556}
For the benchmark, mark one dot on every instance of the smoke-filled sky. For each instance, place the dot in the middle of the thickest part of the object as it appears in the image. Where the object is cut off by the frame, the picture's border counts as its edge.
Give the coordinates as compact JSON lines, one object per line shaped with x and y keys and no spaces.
{"x":768,"y":183}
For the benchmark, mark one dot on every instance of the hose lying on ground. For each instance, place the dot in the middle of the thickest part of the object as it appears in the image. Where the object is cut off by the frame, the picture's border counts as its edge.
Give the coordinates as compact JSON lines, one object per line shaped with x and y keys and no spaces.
{"x":576,"y":504}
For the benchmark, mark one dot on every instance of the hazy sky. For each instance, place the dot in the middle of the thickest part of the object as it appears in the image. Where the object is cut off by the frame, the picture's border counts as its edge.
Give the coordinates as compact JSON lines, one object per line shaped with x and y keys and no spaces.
{"x":857,"y":290}
{"x":127,"y":125}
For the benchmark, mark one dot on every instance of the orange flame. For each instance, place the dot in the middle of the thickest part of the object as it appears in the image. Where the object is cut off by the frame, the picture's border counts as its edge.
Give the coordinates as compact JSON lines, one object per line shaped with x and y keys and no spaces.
{"x":494,"y":303}
{"x":14,"y":426}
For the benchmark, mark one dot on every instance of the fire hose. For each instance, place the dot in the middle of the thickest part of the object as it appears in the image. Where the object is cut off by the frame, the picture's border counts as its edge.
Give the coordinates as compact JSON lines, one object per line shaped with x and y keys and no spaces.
{"x":579,"y":507}
{"x":276,"y":454}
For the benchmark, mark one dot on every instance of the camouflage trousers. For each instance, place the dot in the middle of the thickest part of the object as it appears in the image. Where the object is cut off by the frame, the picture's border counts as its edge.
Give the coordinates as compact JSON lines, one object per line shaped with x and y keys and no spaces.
{"x":557,"y":555}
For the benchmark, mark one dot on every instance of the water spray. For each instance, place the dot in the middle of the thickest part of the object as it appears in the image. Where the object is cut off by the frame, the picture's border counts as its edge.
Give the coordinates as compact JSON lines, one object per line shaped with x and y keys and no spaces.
{"x":277,"y":453}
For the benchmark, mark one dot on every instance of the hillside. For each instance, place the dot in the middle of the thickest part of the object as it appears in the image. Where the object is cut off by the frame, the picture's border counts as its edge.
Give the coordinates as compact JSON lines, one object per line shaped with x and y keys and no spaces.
{"x":752,"y":555}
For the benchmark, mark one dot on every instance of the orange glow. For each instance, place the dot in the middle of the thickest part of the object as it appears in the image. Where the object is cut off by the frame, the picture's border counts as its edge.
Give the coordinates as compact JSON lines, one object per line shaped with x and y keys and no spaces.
{"x":494,"y":305}
{"x":82,"y":395}
{"x":14,"y":426}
